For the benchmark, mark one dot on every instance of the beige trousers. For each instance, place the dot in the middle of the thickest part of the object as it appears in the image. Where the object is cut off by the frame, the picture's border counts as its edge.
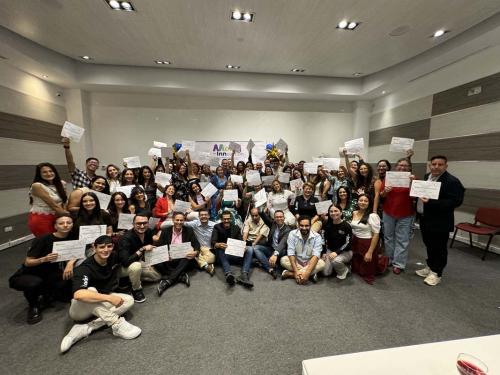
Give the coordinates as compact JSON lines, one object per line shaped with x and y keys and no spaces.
{"x":138,"y":271}
{"x":285,"y":263}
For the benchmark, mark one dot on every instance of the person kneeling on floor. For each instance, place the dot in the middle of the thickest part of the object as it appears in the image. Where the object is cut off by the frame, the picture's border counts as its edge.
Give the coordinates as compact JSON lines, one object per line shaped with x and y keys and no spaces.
{"x":93,"y":284}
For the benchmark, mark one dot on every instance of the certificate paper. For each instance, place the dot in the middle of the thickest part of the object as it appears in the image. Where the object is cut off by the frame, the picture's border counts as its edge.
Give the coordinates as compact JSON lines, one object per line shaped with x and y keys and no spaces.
{"x":67,"y":250}
{"x":167,"y":152}
{"x":253,"y":179}
{"x":250,"y":145}
{"x":397,"y":179}
{"x":132,"y":162}
{"x":331,"y":164}
{"x":188,"y":145}
{"x":164,"y":179}
{"x":153,"y":221}
{"x":284,"y":178}
{"x":425,"y":189}
{"x":88,"y":233}
{"x":235,"y":146}
{"x":281,"y":145}
{"x":260,"y":198}
{"x":235,"y":247}
{"x":355,"y":146}
{"x":267,"y":180}
{"x":209,"y":190}
{"x":153,"y":151}
{"x":230,"y":195}
{"x":236,"y":179}
{"x":125,"y":221}
{"x":401,"y":144}
{"x":104,"y":199}
{"x":296,"y":184}
{"x":180,"y":250}
{"x":127,"y":190}
{"x":322,"y":207}
{"x":181,"y":206}
{"x":72,"y":131}
{"x":158,"y":255}
{"x":311,"y":168}
{"x":159,"y":144}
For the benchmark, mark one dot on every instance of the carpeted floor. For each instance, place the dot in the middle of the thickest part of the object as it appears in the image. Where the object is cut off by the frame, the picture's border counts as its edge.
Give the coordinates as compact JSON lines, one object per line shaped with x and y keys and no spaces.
{"x":210,"y":329}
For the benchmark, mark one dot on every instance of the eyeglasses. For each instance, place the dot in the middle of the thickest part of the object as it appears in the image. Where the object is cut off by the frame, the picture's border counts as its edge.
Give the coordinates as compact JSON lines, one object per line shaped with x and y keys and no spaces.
{"x":142,"y":224}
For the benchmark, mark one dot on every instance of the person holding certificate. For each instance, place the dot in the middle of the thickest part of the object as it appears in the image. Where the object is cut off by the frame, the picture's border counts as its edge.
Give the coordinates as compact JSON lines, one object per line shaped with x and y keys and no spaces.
{"x":98,"y":183}
{"x":146,"y":179}
{"x":436,"y":217}
{"x":220,"y":235}
{"x":176,"y":269}
{"x":198,"y":201}
{"x":94,"y":282}
{"x":113,"y":177}
{"x":255,"y":233}
{"x":304,"y":206}
{"x":79,"y":178}
{"x":138,"y":200}
{"x":164,"y":207}
{"x":398,"y":215}
{"x":230,"y":205}
{"x":345,"y":203}
{"x":117,"y":205}
{"x":41,"y":277}
{"x":279,"y":199}
{"x":203,"y":229}
{"x":90,"y":213}
{"x":219,"y":180}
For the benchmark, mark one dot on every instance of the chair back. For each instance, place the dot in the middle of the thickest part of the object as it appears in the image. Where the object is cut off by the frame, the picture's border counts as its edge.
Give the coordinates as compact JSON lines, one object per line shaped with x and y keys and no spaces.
{"x":488,"y":216}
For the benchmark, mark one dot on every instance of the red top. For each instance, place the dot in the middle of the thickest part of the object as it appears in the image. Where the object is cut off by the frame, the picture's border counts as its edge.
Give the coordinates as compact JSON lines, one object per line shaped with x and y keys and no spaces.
{"x":398,"y":202}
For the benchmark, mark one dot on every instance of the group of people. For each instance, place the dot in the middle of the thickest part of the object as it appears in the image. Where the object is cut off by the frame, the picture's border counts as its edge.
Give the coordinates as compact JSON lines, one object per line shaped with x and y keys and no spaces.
{"x":367,"y":228}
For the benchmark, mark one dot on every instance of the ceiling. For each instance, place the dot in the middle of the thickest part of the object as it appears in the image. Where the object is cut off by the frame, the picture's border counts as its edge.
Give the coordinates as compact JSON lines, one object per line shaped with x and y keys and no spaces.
{"x":47,"y":37}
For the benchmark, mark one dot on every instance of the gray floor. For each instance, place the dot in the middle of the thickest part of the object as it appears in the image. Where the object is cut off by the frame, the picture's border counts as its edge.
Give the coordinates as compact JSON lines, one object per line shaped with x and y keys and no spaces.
{"x":210,"y":329}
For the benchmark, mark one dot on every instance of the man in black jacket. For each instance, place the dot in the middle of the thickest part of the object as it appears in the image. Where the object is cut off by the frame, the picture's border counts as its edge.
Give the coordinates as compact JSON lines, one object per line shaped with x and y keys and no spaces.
{"x":437,"y":220}
{"x":176,"y":268}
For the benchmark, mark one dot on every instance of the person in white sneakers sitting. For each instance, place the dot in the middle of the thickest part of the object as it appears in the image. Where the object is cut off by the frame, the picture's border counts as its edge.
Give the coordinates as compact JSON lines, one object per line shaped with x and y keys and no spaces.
{"x":93,"y":284}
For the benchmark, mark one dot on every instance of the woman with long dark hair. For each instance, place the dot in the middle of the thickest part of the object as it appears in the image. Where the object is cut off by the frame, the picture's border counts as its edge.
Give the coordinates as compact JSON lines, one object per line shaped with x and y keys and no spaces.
{"x":117,"y":205}
{"x":138,"y":201}
{"x":113,"y":177}
{"x":147,"y":181}
{"x":97,"y":183}
{"x":345,"y":202}
{"x":128,"y":177}
{"x":198,"y":201}
{"x":164,"y":207}
{"x":219,"y":180}
{"x":47,"y":198}
{"x":90,"y":213}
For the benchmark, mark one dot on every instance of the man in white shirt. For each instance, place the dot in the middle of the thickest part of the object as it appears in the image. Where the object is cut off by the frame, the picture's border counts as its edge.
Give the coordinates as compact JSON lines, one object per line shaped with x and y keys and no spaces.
{"x":203,"y":229}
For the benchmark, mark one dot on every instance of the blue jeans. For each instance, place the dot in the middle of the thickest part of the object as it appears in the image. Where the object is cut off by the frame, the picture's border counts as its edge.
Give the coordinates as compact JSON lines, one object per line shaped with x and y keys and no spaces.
{"x":397,"y":233}
{"x":225,"y":260}
{"x":262,"y":253}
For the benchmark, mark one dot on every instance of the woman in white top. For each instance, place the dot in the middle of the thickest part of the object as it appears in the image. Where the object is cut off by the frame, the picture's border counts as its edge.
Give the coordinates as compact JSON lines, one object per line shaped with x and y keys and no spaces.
{"x":47,"y":198}
{"x":279,"y":199}
{"x":113,"y":177}
{"x":365,"y":229}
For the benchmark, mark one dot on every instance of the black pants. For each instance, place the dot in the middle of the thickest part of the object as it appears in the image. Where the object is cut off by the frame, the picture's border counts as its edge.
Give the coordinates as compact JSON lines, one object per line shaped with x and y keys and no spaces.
{"x":34,"y":286}
{"x":173,"y":269}
{"x":437,"y":248}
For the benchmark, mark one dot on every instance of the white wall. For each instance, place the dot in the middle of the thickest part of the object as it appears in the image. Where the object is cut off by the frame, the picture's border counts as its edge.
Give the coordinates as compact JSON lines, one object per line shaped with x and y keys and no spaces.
{"x":126,"y":124}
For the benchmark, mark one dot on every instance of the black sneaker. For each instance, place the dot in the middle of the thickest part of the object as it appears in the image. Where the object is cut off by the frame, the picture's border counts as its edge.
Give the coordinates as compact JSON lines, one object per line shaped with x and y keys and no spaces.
{"x":34,"y":315}
{"x":230,"y":279}
{"x":244,"y":280}
{"x":184,"y":278}
{"x":273,"y":273}
{"x":162,"y":286}
{"x":138,"y":295}
{"x":314,"y":278}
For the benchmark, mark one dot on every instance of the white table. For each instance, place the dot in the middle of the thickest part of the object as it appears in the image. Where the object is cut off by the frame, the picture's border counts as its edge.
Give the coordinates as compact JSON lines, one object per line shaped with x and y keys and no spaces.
{"x":438,"y":358}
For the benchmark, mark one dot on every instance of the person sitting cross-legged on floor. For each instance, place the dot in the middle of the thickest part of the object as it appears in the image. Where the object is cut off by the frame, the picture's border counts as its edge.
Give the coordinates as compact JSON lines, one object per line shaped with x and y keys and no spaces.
{"x":220,"y":235}
{"x":93,"y":284}
{"x":304,"y":253}
{"x":255,"y":233}
{"x":203,"y":229}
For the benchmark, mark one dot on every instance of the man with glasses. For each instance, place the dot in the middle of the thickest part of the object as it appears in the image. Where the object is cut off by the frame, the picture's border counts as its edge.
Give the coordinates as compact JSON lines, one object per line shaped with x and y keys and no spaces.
{"x":79,"y":178}
{"x":132,"y":246}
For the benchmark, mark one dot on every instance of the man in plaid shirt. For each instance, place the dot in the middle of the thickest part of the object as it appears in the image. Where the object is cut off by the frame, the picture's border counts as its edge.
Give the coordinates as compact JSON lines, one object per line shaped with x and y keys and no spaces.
{"x":79,"y":178}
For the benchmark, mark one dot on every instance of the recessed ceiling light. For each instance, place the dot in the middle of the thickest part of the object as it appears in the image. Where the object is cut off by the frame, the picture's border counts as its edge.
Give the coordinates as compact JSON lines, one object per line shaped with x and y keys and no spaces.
{"x":439,"y":33}
{"x":229,"y":66}
{"x":298,"y":70}
{"x":237,"y":15}
{"x":163,"y":62}
{"x":347,"y":25}
{"x":357,"y":74}
{"x":342,"y":24}
{"x":383,"y":92}
{"x":120,"y":5}
{"x":85,"y":57}
{"x":45,"y":76}
{"x":352,"y":25}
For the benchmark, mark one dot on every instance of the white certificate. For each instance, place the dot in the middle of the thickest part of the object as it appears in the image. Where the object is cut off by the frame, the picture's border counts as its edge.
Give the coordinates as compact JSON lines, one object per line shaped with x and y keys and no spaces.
{"x":181,"y":206}
{"x":230,"y":195}
{"x":125,"y":221}
{"x":204,"y":184}
{"x":235,"y":146}
{"x":104,"y":199}
{"x":72,"y":131}
{"x":253,"y":179}
{"x":164,"y":179}
{"x":159,"y":144}
{"x":180,"y":250}
{"x":318,"y":160}
{"x":355,"y":146}
{"x":209,"y":190}
{"x":311,"y":168}
{"x":188,"y":145}
{"x":331,"y":164}
{"x":397,"y":179}
{"x":236,"y":179}
{"x":260,"y":198}
{"x":425,"y":189}
{"x":153,"y":221}
{"x":281,"y":145}
{"x":158,"y":255}
{"x":235,"y":247}
{"x":214,"y":161}
{"x":127,"y":190}
{"x":88,"y":233}
{"x":132,"y":162}
{"x":167,"y":152}
{"x":67,"y":250}
{"x":267,"y":180}
{"x":153,"y":151}
{"x":296,"y":184}
{"x":322,"y":207}
{"x":181,"y":154}
{"x":284,"y":178}
{"x":401,"y":144}
{"x":250,"y":144}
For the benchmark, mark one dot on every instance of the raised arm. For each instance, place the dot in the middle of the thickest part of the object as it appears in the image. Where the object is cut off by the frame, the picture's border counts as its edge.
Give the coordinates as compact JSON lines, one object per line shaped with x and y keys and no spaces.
{"x":69,"y":156}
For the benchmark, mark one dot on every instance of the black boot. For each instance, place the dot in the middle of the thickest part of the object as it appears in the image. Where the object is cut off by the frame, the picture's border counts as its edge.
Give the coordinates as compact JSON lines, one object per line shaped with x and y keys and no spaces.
{"x":34,"y":314}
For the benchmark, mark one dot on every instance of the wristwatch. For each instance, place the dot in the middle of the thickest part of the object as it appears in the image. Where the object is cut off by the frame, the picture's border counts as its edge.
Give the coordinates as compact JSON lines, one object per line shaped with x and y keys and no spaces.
{"x":276,"y":253}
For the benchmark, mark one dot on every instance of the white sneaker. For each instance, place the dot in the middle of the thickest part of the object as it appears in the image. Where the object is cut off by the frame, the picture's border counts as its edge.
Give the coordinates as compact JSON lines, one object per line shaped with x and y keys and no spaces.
{"x":125,"y":330}
{"x":76,"y":333}
{"x":433,"y":279}
{"x":344,"y":274}
{"x":424,"y":272}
